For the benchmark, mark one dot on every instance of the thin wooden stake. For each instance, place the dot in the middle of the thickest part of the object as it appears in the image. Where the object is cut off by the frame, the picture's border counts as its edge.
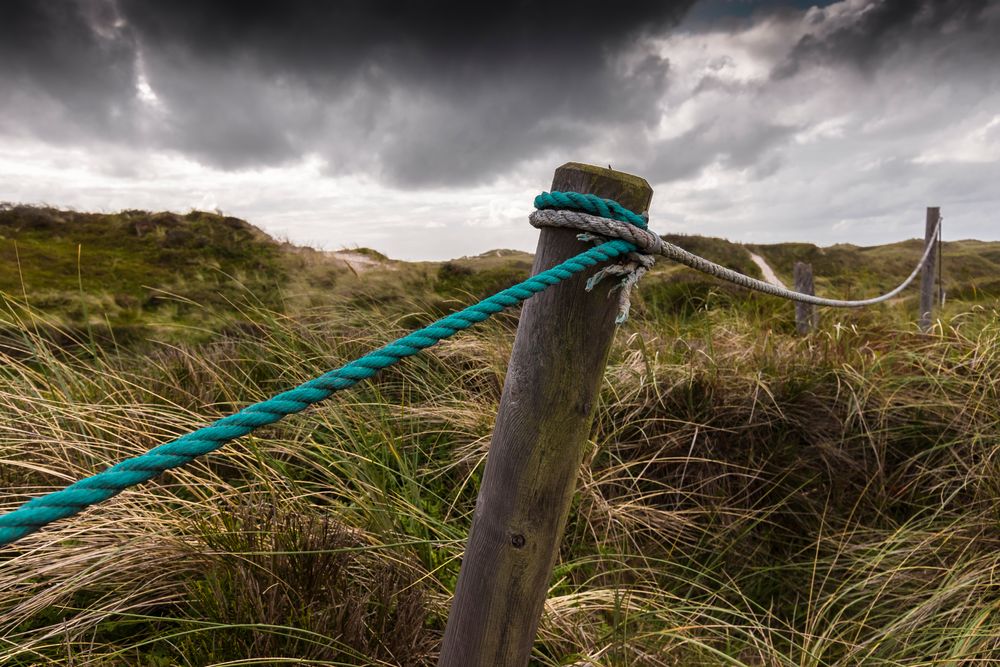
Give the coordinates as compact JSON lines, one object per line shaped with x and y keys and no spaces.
{"x":543,"y":425}
{"x":927,"y":273}
{"x":806,"y":315}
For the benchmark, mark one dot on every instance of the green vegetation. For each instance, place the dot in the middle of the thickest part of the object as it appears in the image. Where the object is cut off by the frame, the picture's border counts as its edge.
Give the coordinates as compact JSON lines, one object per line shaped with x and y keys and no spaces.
{"x":133,"y":260}
{"x":131,"y":275}
{"x":749,"y":497}
{"x":972,"y":268}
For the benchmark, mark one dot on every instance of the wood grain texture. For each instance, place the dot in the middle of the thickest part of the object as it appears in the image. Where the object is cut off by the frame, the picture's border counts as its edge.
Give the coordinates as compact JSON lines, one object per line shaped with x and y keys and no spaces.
{"x":806,"y":315}
{"x":543,"y":425}
{"x":927,"y":273}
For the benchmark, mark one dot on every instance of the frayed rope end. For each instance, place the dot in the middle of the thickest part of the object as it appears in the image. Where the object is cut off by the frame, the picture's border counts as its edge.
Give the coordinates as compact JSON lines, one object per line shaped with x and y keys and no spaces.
{"x":632,"y":272}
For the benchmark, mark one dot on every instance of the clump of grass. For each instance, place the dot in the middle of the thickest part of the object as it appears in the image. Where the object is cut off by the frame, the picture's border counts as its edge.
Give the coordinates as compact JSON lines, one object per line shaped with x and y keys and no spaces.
{"x":284,"y":581}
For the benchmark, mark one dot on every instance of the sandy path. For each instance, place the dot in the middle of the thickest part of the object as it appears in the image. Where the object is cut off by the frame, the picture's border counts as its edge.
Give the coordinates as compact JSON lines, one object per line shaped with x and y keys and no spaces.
{"x":765,"y":268}
{"x":356,"y":261}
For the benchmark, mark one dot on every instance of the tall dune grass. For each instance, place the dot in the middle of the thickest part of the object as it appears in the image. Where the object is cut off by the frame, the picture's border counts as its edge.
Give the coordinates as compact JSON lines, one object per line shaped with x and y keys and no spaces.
{"x":747,"y":498}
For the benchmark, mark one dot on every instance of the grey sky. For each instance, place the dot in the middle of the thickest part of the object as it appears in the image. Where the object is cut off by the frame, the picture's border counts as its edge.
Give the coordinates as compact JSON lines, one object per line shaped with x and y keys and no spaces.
{"x":425,"y":133}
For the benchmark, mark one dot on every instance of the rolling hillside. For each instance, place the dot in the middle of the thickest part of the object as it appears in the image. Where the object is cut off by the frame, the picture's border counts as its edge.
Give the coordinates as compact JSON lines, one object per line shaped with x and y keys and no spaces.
{"x":136,"y":275}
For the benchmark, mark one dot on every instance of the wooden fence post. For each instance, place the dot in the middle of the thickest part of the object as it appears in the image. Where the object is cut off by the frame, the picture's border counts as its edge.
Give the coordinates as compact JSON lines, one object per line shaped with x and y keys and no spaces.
{"x":806,"y":317}
{"x":927,"y":273}
{"x":542,"y":428}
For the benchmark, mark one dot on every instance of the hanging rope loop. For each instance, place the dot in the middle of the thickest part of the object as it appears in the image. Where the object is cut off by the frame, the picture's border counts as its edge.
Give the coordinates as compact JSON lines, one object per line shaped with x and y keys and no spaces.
{"x":583,"y":218}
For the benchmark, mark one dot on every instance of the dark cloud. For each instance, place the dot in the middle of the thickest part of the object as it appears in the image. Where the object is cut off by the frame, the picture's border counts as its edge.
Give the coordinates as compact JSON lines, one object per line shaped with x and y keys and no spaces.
{"x":428,"y":93}
{"x":709,"y":13}
{"x":953,"y":32}
{"x":449,"y":41}
{"x":439,"y":92}
{"x":65,"y":69}
{"x":947,"y":48}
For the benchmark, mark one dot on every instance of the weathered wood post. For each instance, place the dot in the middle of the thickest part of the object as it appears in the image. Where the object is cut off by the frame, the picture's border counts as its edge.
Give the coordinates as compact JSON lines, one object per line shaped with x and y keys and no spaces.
{"x":543,"y":424}
{"x":927,"y":273}
{"x":806,"y":317}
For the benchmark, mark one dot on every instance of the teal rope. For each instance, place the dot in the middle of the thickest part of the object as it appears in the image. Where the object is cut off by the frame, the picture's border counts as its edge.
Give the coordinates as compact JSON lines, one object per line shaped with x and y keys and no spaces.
{"x":43,"y":510}
{"x":604,"y":208}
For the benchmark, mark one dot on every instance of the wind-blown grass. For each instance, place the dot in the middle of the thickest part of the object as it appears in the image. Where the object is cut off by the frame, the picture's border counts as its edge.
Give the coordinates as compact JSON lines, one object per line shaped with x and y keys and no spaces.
{"x":747,"y":498}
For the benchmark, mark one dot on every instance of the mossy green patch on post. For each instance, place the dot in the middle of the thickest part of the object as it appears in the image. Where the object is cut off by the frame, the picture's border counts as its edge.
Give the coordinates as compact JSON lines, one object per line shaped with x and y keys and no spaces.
{"x":632,"y":192}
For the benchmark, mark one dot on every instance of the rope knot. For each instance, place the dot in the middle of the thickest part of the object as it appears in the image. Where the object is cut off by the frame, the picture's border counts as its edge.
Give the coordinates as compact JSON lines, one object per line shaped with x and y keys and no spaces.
{"x":603,"y":220}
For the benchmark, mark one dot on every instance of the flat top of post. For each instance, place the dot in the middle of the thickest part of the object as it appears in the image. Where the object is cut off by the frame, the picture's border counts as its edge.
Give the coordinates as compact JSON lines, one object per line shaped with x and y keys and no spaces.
{"x":632,"y":192}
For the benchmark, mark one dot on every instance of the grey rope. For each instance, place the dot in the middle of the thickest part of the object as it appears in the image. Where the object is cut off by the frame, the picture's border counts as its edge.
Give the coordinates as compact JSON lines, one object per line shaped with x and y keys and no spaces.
{"x":649,"y":243}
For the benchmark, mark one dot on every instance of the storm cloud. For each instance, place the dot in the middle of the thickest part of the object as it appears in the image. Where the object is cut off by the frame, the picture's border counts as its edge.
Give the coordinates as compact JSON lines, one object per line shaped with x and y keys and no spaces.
{"x":796,"y":69}
{"x":65,"y":71}
{"x":949,"y":32}
{"x":414,"y":93}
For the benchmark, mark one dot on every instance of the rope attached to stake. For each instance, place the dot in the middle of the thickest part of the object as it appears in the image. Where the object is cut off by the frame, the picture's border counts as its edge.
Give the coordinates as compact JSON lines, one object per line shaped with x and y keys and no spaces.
{"x":649,"y":244}
{"x":597,"y":218}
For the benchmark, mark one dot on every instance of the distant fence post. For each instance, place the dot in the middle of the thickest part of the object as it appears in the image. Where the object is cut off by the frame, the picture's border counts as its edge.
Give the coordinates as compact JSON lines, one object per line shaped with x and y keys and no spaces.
{"x":806,"y":317}
{"x":543,"y":424}
{"x":927,"y":273}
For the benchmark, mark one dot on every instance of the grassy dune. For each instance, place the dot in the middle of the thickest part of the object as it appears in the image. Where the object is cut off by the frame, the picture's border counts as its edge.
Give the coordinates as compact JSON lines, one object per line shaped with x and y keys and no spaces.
{"x":748,"y":497}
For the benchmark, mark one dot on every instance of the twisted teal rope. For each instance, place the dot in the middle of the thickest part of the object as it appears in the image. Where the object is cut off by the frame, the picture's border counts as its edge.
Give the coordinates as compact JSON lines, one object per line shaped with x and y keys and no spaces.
{"x":604,"y":208}
{"x":43,"y":510}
